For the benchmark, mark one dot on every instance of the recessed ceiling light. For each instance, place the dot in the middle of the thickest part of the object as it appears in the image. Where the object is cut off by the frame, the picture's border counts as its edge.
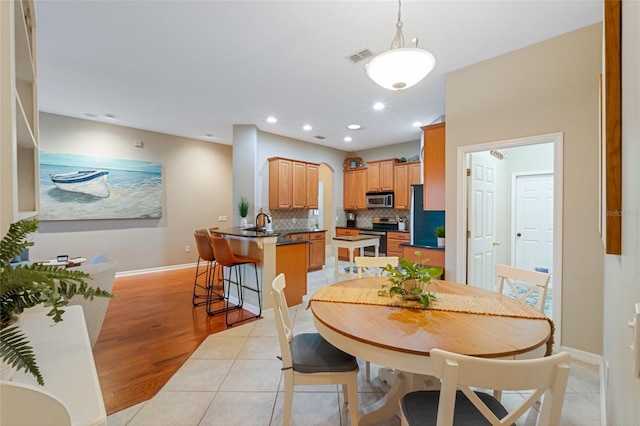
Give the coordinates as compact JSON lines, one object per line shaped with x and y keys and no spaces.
{"x":109,"y":116}
{"x":416,"y":124}
{"x":307,"y":127}
{"x":272,"y":120}
{"x":378,"y":106}
{"x":354,"y":127}
{"x":90,"y":114}
{"x":348,"y":139}
{"x":208,"y":135}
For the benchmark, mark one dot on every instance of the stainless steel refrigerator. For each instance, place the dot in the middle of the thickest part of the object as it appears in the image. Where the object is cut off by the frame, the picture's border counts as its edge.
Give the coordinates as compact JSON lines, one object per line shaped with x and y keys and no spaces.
{"x":423,"y":223}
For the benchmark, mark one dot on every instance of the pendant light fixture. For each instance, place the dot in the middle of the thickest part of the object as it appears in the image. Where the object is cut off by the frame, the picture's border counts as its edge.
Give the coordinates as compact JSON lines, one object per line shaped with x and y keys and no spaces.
{"x":401,"y":67}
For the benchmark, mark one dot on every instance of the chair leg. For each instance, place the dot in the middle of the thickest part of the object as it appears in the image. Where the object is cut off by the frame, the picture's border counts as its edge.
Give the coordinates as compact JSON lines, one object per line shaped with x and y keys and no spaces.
{"x":367,"y":371}
{"x":288,"y":399}
{"x":352,"y":390}
{"x":240,"y":287}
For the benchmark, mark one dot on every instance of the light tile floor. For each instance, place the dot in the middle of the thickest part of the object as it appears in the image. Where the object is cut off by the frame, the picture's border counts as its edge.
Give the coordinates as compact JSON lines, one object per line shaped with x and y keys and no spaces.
{"x":234,"y":378}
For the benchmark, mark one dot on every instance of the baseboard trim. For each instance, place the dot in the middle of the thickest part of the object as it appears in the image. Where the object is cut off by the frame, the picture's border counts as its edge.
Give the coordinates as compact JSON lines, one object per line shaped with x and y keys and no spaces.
{"x":152,"y":270}
{"x":583,"y":356}
{"x":592,"y":358}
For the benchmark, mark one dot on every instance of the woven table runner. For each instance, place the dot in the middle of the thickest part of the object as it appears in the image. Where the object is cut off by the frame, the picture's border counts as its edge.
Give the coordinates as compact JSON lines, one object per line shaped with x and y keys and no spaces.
{"x":482,"y":305}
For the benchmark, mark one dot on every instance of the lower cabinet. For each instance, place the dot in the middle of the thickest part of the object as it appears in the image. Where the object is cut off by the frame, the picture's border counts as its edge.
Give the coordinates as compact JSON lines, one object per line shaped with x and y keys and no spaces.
{"x":315,"y":248}
{"x":343,"y":253}
{"x":394,"y":239}
{"x":291,"y":260}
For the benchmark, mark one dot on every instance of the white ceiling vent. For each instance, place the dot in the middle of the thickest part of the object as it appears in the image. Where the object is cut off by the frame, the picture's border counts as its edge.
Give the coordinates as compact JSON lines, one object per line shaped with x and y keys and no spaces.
{"x":360,"y":55}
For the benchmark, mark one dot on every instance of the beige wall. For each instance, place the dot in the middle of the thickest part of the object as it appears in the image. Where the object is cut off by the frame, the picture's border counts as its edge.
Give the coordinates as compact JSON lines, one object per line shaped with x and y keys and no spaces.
{"x":196,"y":190}
{"x":545,"y":88}
{"x":622,"y":284}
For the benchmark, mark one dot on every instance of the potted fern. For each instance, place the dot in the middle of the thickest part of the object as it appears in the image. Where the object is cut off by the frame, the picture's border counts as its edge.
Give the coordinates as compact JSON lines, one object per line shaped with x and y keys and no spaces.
{"x":26,"y":286}
{"x":411,"y":280}
{"x":439,"y":233}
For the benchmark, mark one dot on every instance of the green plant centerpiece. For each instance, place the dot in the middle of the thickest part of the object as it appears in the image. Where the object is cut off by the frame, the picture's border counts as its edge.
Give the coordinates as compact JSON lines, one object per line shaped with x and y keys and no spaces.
{"x":26,"y":286}
{"x":411,"y":280}
{"x":439,"y":231}
{"x":243,"y":207}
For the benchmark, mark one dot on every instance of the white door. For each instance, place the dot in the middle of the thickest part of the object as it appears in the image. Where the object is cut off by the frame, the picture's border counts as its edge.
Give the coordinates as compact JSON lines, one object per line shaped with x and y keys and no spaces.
{"x":481,"y":220}
{"x":533,"y":222}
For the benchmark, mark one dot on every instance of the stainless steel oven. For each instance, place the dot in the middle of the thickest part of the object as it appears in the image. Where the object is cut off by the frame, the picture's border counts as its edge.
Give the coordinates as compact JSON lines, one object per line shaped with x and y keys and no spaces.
{"x":380,"y":226}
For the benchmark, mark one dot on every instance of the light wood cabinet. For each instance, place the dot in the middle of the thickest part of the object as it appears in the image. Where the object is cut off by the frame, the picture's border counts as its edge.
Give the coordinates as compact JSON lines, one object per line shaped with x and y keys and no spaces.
{"x":291,"y":260}
{"x":380,"y":175}
{"x":19,"y":135}
{"x":405,"y":175}
{"x":434,"y":167}
{"x":394,"y":239}
{"x":343,"y":253}
{"x":293,"y":184}
{"x":315,"y":249}
{"x":354,"y":189}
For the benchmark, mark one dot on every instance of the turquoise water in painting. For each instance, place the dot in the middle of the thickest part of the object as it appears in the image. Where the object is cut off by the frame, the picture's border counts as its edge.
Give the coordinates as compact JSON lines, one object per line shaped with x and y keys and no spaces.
{"x":135,"y":189}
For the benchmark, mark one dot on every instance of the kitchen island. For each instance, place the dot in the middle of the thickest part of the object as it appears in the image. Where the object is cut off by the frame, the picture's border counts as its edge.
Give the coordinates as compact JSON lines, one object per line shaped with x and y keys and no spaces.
{"x":277,"y":254}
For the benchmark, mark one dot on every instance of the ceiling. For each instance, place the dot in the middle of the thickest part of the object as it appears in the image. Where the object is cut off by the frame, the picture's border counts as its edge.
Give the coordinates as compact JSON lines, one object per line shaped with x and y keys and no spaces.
{"x":196,"y":68}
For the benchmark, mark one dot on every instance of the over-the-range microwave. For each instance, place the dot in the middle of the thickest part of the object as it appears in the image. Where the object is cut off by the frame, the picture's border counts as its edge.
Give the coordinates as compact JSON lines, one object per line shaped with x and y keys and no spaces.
{"x":379,"y":200}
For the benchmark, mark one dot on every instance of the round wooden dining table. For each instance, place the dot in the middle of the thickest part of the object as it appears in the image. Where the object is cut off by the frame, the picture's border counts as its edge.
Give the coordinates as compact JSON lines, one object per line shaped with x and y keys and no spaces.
{"x":401,"y":338}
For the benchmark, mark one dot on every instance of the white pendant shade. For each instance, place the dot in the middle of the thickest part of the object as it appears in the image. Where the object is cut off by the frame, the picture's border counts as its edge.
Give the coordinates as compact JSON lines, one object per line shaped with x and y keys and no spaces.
{"x":401,"y":68}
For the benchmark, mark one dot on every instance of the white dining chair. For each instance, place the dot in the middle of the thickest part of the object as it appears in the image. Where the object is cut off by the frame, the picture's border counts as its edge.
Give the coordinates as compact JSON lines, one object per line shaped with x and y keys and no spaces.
{"x":372,"y":267}
{"x":536,"y":282}
{"x":308,"y":359}
{"x":462,"y":375}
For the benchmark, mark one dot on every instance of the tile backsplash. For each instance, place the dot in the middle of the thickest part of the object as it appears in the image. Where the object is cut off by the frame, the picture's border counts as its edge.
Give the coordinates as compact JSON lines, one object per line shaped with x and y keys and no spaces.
{"x":286,"y":220}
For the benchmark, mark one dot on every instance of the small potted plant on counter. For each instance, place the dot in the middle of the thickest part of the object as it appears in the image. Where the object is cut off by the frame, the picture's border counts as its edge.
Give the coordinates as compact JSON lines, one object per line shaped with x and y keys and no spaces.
{"x":402,"y":222}
{"x":439,"y":233}
{"x":411,"y":280}
{"x":243,"y":210}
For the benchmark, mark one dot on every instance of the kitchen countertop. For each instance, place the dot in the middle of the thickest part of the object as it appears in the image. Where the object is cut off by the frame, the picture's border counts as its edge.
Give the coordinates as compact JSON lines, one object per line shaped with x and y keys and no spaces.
{"x":238,"y":231}
{"x":422,"y":246}
{"x":362,"y":228}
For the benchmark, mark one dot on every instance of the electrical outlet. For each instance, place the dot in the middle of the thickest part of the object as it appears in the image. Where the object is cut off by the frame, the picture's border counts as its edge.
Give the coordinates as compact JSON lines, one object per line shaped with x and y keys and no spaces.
{"x":293,"y":220}
{"x":187,"y":249}
{"x":222,"y":218}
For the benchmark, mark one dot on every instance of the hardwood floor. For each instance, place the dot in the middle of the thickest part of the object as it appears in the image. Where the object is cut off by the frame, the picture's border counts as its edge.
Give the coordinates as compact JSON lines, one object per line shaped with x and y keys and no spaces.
{"x":149,"y":331}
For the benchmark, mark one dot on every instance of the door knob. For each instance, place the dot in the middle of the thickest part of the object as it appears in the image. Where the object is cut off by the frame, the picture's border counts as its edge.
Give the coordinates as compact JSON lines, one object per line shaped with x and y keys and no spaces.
{"x":518,"y":235}
{"x":496,"y":243}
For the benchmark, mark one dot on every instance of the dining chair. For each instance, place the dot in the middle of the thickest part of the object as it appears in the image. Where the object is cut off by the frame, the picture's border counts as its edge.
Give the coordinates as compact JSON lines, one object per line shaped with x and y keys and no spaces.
{"x":459,"y":399}
{"x":308,"y":359}
{"x":371,"y":265}
{"x":535,"y":282}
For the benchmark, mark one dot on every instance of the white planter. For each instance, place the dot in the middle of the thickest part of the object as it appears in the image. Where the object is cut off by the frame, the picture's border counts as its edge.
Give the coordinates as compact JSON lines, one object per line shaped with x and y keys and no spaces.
{"x":401,"y":226}
{"x":440,"y":242}
{"x":243,"y":222}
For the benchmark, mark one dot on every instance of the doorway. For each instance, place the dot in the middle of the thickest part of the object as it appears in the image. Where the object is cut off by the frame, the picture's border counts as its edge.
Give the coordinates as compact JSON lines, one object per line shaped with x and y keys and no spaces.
{"x":486,"y":221}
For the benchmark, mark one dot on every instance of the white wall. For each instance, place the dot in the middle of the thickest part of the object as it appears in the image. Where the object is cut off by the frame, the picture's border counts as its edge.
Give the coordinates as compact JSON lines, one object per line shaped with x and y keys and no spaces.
{"x":622,"y":273}
{"x":196,"y":190}
{"x":549,"y":87}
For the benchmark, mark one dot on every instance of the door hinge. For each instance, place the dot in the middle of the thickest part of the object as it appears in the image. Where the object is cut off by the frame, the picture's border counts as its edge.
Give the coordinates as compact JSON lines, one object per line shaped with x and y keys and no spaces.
{"x":468,"y":233}
{"x":468,"y":172}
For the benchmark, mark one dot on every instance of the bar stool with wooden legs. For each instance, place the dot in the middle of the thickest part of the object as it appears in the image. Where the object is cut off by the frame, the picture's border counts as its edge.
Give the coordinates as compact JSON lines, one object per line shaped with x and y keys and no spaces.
{"x":234,"y":266}
{"x":202,"y":289}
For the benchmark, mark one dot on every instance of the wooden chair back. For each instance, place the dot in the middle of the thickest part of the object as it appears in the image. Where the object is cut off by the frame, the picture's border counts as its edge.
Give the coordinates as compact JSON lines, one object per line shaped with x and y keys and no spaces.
{"x":371,"y":266}
{"x":535,"y":281}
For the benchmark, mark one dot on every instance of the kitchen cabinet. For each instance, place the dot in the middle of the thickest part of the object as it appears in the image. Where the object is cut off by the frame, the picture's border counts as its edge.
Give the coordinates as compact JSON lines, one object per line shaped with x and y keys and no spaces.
{"x":394,"y":239}
{"x":405,"y":175}
{"x":380,"y":175}
{"x":293,"y":184}
{"x":434,"y":167}
{"x":354,"y":192}
{"x":19,"y":136}
{"x":315,"y":258}
{"x":291,"y":260}
{"x":343,"y":253}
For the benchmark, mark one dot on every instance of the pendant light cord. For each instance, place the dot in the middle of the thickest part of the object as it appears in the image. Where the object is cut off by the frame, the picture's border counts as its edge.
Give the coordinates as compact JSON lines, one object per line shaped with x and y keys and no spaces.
{"x":398,"y":40}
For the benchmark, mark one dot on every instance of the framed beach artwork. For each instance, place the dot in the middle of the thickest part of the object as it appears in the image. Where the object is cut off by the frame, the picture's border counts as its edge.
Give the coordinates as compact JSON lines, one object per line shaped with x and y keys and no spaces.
{"x":80,"y":187}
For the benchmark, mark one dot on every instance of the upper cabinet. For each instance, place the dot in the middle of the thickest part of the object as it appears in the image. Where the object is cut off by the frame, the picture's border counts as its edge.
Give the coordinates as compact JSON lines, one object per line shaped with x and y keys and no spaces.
{"x":293,"y":184}
{"x":354,"y":189}
{"x":20,"y":189}
{"x":405,"y":175}
{"x":380,"y":175}
{"x":434,"y":167}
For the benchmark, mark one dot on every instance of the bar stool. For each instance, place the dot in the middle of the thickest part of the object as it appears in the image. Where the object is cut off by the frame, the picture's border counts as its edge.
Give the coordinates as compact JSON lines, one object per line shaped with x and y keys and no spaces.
{"x":205,"y":254}
{"x":233,"y":263}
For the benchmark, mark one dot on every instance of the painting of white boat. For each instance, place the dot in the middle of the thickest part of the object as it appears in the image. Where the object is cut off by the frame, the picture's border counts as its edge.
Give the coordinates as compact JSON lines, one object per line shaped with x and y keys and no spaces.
{"x":92,"y":182}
